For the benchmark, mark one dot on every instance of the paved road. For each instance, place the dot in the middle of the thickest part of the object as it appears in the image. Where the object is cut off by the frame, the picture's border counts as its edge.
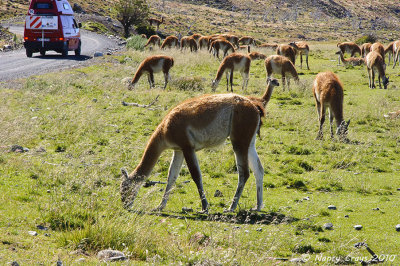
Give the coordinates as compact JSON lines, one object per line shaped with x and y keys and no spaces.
{"x":15,"y":64}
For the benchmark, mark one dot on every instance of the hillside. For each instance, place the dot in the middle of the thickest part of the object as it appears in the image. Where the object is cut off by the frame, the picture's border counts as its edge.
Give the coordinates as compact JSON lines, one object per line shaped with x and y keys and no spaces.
{"x":266,"y":20}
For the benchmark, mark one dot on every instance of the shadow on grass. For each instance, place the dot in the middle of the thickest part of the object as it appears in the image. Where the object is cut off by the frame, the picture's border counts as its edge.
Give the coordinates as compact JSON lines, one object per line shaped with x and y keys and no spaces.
{"x":242,"y":217}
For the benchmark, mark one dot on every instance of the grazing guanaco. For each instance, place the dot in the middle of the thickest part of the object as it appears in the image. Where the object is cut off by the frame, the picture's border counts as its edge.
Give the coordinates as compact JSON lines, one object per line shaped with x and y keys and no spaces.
{"x":348,"y":47}
{"x":365,"y":49}
{"x":232,"y":39}
{"x":170,"y":41}
{"x":150,"y":65}
{"x":200,"y":123}
{"x":189,"y":41}
{"x":301,"y":48}
{"x":153,"y":41}
{"x":247,"y":40}
{"x":375,"y":63}
{"x":223,"y":45}
{"x":279,"y":64}
{"x":156,"y":22}
{"x":196,"y":37}
{"x":257,"y":56}
{"x":389,"y":49}
{"x":204,"y":42}
{"x":231,"y":63}
{"x":271,"y":46}
{"x":328,"y":94}
{"x":288,"y":51}
{"x":396,"y":53}
{"x":379,"y":48}
{"x":352,"y":61}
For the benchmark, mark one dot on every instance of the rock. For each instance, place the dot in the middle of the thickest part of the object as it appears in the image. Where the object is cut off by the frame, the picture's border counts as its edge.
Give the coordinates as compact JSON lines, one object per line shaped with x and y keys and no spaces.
{"x":218,"y":193}
{"x":111,"y":255}
{"x":375,"y":209}
{"x":7,"y":47}
{"x":77,"y":8}
{"x":358,"y":227}
{"x":33,"y":233}
{"x":41,"y":227}
{"x":59,"y":263}
{"x":398,"y":228}
{"x":297,"y":260}
{"x":186,"y":209}
{"x":331,"y":207}
{"x":306,"y":198}
{"x":328,"y":226}
{"x":14,"y":263}
{"x":98,"y":54}
{"x":246,"y":231}
{"x":18,"y":148}
{"x":346,"y":216}
{"x":259,"y":229}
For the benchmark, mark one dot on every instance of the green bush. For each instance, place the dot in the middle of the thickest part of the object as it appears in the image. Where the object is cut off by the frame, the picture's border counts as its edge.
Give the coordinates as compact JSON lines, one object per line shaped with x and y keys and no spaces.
{"x":366,"y":38}
{"x":136,"y":42}
{"x":145,"y":29}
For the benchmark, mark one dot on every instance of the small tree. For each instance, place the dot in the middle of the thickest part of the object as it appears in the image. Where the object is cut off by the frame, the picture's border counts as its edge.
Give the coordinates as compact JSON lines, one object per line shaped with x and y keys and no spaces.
{"x":131,"y":12}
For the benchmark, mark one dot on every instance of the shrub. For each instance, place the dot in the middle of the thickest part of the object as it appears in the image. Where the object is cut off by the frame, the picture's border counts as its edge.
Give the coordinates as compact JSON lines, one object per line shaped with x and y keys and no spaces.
{"x":145,"y":29}
{"x":188,"y":84}
{"x":136,"y":42}
{"x":366,"y":38}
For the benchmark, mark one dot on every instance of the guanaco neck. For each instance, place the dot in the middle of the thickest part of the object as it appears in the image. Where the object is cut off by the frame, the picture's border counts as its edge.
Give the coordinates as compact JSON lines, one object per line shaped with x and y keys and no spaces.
{"x":344,"y":60}
{"x":267,"y":94}
{"x":154,"y":148}
{"x":220,"y":72}
{"x":138,"y":74}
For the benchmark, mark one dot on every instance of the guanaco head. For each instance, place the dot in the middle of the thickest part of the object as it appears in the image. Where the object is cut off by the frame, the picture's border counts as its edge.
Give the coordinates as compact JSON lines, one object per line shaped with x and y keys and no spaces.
{"x":272,"y":82}
{"x":126,"y":189}
{"x":214,"y":84}
{"x":131,"y":85}
{"x":342,"y":130}
{"x":294,"y":45}
{"x":385,"y":81}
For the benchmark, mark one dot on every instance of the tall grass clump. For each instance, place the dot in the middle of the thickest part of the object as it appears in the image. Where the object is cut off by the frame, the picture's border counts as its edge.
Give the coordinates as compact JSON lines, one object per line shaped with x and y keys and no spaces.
{"x":136,"y":42}
{"x":366,"y":38}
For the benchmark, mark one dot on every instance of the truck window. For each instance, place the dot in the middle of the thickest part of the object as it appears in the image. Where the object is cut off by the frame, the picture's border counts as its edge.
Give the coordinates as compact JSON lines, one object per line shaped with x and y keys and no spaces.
{"x":66,"y":6}
{"x":43,"y":6}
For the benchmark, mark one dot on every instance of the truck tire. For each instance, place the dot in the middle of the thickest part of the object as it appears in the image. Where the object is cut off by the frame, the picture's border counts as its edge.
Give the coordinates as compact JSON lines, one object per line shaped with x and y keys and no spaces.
{"x":78,"y":50}
{"x":65,"y":49}
{"x":28,"y":52}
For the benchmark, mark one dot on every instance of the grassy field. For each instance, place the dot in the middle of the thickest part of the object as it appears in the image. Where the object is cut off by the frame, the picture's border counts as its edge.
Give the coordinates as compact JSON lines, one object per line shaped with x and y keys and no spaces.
{"x":79,"y":135}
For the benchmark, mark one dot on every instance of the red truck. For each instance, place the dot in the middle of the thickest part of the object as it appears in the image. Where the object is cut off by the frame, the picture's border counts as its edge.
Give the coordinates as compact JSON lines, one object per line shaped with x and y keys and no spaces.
{"x":50,"y":26}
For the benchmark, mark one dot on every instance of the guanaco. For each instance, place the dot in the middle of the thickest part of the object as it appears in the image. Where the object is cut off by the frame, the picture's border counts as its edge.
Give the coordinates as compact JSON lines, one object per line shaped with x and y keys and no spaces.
{"x":257,"y":56}
{"x":150,"y":65}
{"x":156,"y":22}
{"x":153,"y":41}
{"x":189,"y":41}
{"x":287,"y":51}
{"x":200,"y":123}
{"x":378,"y":47}
{"x":234,"y":40}
{"x":328,"y":94}
{"x":390,"y":51}
{"x":247,"y":40}
{"x":271,"y":46}
{"x":365,"y":49}
{"x":396,"y":52}
{"x":223,"y":45}
{"x":196,"y":37}
{"x":375,"y":63}
{"x":170,"y":41}
{"x":301,"y":48}
{"x":204,"y":42}
{"x":279,"y":64}
{"x":353,"y":61}
{"x":348,"y":47}
{"x":231,"y":63}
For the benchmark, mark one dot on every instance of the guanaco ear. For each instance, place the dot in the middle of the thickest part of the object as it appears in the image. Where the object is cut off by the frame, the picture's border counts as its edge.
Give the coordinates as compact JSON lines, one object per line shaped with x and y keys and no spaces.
{"x":124,"y":173}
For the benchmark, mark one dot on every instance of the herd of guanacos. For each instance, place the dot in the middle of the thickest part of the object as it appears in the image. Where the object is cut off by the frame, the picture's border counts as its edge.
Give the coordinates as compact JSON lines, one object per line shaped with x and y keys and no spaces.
{"x":209,"y":120}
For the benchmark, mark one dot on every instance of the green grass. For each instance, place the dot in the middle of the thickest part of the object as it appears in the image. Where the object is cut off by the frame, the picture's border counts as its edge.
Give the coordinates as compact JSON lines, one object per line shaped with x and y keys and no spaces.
{"x":80,"y":135}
